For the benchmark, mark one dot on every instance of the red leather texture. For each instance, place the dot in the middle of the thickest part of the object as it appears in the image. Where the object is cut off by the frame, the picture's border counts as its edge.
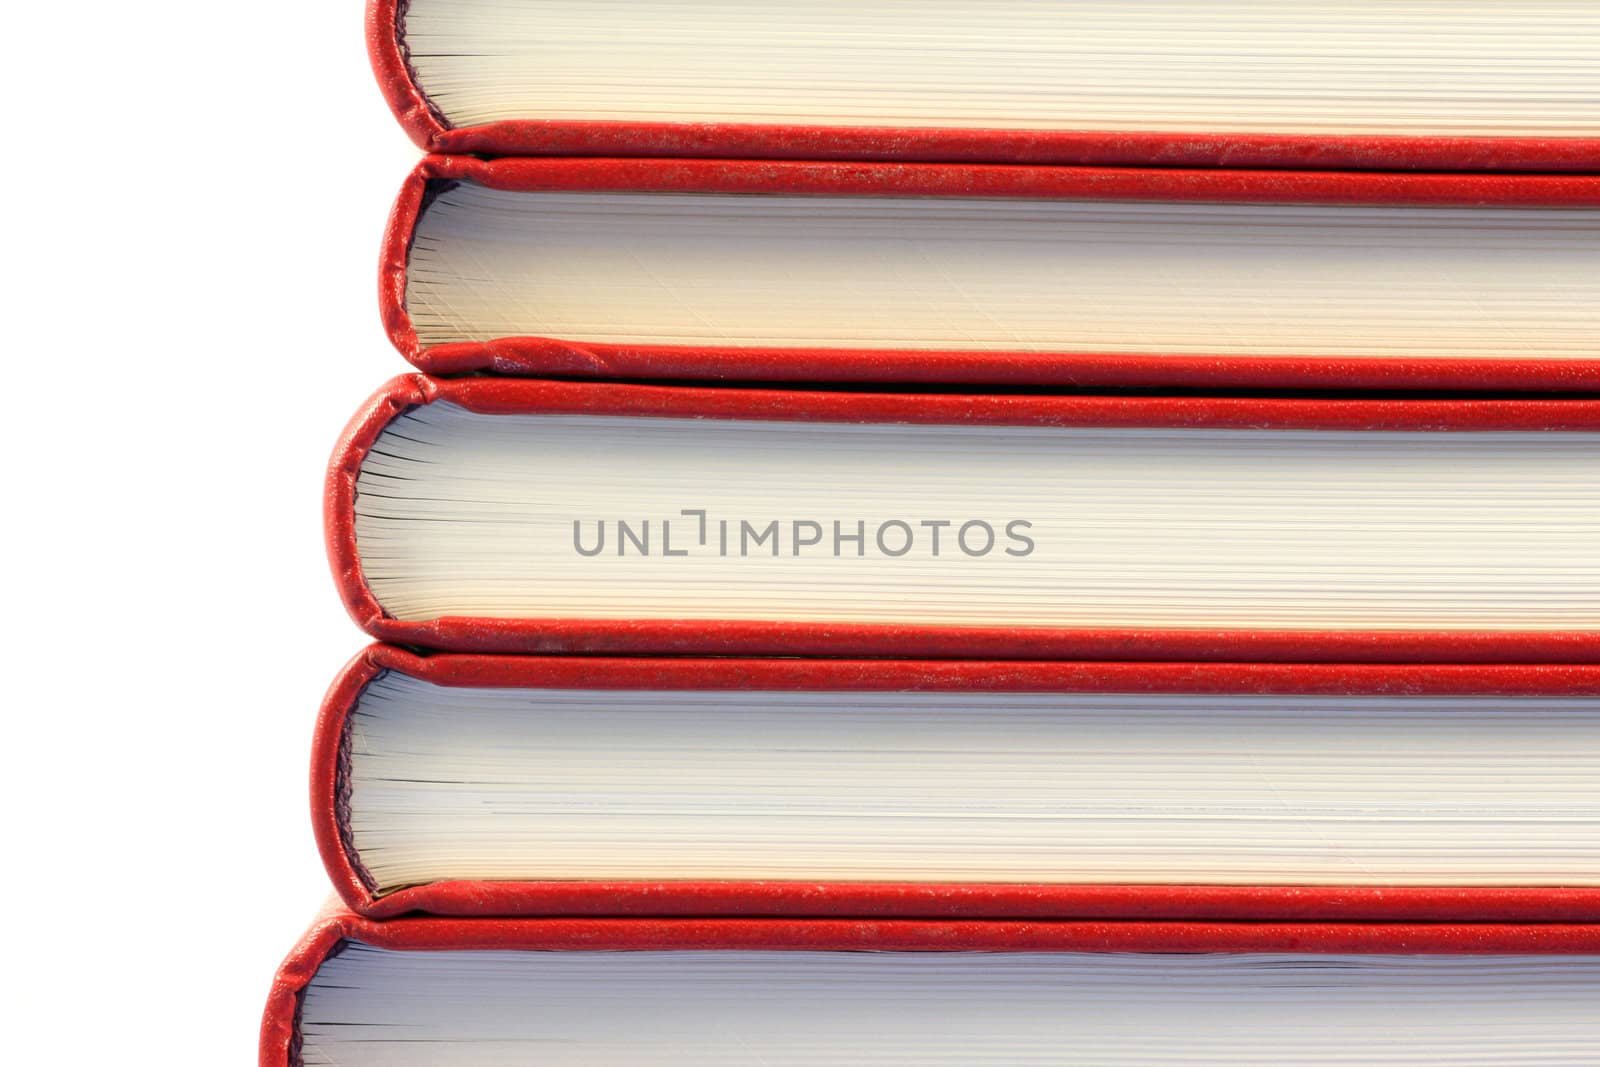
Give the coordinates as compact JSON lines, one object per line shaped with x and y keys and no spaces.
{"x":563,"y":358}
{"x":921,"y":900}
{"x":1100,"y":148}
{"x":741,"y":638}
{"x":279,"y":1036}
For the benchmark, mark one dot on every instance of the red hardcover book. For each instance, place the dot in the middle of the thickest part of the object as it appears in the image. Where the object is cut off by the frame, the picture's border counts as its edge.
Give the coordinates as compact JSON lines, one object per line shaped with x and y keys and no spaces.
{"x":894,"y":272}
{"x":363,"y":761}
{"x":1386,"y":87}
{"x":501,"y":515}
{"x":430,"y":991}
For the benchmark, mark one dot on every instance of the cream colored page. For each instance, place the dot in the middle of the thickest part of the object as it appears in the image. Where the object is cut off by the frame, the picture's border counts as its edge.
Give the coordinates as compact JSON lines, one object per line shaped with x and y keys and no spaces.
{"x":1332,"y":281}
{"x":371,"y":1008}
{"x":1391,"y":67}
{"x":538,"y":784}
{"x":502,"y":516}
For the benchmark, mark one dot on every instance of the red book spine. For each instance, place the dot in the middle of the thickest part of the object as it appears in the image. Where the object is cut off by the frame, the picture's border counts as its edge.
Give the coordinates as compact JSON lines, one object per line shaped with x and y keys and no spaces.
{"x":279,"y":1026}
{"x":561,"y":357}
{"x":329,"y":795}
{"x":755,"y":638}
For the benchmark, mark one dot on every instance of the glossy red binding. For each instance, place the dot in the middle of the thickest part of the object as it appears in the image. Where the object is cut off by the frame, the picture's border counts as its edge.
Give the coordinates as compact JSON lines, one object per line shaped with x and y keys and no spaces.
{"x":279,"y":1025}
{"x":744,"y":638}
{"x":558,"y":357}
{"x":922,"y":900}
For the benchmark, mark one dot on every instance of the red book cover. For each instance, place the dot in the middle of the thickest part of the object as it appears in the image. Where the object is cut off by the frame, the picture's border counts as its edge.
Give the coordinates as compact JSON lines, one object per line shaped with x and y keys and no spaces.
{"x":428,"y":127}
{"x":280,"y":1037}
{"x":330,"y":793}
{"x":565,"y":357}
{"x":672,"y":636}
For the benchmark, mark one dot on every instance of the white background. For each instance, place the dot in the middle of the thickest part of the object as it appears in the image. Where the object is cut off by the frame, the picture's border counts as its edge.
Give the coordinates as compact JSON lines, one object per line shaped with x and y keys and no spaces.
{"x":194,"y":198}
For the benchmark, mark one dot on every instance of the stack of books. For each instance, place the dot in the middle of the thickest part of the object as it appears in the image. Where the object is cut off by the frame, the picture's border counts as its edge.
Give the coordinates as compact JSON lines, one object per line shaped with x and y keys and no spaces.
{"x":949,"y":533}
